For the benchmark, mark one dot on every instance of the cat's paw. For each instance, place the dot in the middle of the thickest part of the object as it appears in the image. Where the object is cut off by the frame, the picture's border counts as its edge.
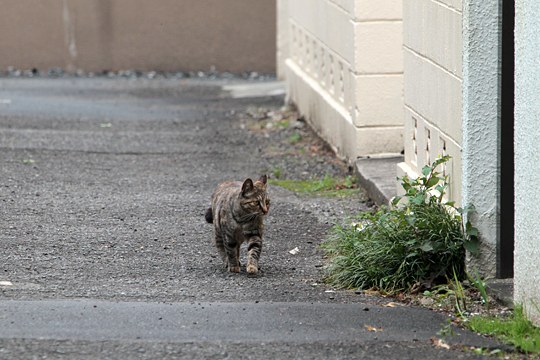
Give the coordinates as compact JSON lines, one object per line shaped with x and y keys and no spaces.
{"x":234,"y":269}
{"x":252,"y":269}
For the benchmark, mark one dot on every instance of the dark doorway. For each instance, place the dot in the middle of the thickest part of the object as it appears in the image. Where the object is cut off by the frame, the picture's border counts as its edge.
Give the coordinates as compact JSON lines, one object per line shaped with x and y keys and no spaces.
{"x":505,"y":268}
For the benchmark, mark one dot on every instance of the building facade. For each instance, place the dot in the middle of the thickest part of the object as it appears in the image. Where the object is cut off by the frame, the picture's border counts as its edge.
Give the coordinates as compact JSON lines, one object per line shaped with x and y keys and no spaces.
{"x":451,"y":64}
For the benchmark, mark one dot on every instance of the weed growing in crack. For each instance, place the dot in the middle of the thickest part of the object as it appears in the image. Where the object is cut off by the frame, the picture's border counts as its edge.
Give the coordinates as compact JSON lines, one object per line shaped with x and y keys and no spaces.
{"x":418,"y":242}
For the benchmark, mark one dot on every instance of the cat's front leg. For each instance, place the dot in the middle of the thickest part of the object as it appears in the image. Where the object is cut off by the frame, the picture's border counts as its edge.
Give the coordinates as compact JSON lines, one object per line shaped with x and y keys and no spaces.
{"x":254,"y":253}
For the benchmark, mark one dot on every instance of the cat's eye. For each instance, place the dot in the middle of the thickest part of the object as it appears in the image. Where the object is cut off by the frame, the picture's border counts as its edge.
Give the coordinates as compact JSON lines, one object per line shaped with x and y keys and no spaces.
{"x":267,"y":202}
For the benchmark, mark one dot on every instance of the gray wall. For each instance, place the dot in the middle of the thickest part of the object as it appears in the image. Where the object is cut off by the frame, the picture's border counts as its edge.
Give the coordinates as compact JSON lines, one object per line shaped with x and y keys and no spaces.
{"x":480,"y":125}
{"x":168,"y":35}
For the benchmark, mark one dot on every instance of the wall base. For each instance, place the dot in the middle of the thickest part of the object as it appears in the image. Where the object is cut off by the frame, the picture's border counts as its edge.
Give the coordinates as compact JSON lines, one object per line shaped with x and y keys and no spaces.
{"x":333,"y":122}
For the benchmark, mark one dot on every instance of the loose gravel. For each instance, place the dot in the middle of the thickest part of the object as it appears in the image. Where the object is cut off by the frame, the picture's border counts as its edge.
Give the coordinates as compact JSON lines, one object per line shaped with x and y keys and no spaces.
{"x":106,"y":182}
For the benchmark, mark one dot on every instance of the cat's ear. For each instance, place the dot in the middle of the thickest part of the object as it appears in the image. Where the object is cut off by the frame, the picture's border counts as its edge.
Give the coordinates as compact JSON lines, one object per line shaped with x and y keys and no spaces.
{"x":263,"y":179}
{"x":247,"y":187}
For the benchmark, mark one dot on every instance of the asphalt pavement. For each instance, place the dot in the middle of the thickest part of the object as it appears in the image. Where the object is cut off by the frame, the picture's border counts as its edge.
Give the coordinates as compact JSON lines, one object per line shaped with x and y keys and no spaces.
{"x":106,"y":254}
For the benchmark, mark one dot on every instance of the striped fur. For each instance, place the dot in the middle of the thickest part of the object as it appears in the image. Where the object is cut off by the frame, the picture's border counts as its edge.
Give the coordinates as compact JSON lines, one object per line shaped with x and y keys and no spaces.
{"x":237,"y":214}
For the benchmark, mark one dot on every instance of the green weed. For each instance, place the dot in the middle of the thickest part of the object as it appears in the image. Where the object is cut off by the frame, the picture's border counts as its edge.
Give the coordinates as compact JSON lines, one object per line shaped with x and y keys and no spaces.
{"x":516,"y":330}
{"x":295,"y":138}
{"x":480,"y":285}
{"x":283,"y":124}
{"x":277,"y":172}
{"x":420,"y":240}
{"x":460,"y":296}
{"x":327,"y":186}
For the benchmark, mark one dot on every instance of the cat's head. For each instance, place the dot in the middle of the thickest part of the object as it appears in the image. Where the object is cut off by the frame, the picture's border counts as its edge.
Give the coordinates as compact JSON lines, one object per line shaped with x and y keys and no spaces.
{"x":253,"y":196}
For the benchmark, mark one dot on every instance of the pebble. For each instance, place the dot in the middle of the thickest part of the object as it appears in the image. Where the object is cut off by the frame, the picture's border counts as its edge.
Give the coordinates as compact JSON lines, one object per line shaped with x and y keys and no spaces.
{"x":56,"y":72}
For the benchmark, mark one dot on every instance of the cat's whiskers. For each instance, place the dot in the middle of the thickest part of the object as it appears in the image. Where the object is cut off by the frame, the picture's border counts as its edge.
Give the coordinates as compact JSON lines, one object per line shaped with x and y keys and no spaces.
{"x":247,"y":217}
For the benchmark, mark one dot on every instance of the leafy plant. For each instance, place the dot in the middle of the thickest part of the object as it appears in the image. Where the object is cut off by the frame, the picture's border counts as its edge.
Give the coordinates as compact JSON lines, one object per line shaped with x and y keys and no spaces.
{"x":421,"y":239}
{"x":430,"y":189}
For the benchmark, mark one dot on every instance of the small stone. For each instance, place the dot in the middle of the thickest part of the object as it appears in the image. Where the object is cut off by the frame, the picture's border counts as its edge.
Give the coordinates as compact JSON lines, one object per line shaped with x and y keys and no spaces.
{"x":425,"y":301}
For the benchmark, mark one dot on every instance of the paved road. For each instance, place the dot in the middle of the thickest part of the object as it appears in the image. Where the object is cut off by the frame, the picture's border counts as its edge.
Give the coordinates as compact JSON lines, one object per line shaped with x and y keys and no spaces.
{"x":106,"y":254}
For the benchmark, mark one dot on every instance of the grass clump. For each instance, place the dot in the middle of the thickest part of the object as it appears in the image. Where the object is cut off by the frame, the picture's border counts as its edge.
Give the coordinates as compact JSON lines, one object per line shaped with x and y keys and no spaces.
{"x":420,"y":240}
{"x":516,"y":330}
{"x":327,"y":186}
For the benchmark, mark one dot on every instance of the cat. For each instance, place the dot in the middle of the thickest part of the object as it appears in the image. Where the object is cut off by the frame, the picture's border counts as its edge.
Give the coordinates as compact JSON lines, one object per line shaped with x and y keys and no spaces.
{"x":237,"y":214}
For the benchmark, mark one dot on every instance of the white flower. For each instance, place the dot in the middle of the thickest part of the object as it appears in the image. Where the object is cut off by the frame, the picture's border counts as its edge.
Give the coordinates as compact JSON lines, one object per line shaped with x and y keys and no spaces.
{"x":358,"y":226}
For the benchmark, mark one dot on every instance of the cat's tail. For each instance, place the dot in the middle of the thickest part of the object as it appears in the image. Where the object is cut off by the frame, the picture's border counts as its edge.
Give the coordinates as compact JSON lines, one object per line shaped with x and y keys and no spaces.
{"x":208,"y":216}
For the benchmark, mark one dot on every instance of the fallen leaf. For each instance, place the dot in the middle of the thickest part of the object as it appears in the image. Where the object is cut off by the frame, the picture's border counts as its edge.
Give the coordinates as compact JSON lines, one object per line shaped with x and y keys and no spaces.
{"x":392,"y":304}
{"x":440,"y":343}
{"x":373,"y":328}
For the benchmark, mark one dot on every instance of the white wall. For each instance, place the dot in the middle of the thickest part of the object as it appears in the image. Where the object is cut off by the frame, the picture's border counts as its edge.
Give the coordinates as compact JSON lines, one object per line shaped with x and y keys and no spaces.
{"x":527,"y":157}
{"x":432,"y":47}
{"x":452,"y":102}
{"x":343,"y":64}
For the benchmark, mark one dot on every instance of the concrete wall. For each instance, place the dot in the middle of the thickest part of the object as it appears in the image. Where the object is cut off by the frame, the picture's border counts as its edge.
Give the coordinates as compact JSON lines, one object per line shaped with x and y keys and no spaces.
{"x":168,"y":35}
{"x":343,"y":64}
{"x":432,"y":47}
{"x":282,"y":38}
{"x":527,"y":157}
{"x":481,"y":125}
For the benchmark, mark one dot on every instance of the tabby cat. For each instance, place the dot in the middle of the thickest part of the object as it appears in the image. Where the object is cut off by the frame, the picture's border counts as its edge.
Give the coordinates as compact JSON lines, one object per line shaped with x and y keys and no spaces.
{"x":237,"y":214}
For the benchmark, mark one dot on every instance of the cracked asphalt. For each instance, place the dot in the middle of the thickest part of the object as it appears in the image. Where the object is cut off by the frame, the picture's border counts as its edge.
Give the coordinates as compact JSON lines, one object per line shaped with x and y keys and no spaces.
{"x":103,"y":188}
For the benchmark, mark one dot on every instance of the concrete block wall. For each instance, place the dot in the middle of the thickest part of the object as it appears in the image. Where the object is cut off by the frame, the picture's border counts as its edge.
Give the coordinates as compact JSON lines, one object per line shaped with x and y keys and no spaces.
{"x":343,"y":63}
{"x":432,"y":56}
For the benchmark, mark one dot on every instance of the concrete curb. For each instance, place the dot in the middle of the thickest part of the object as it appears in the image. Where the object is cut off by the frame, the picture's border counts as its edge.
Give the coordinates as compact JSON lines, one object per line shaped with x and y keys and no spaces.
{"x":502,"y":290}
{"x":378,"y":177}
